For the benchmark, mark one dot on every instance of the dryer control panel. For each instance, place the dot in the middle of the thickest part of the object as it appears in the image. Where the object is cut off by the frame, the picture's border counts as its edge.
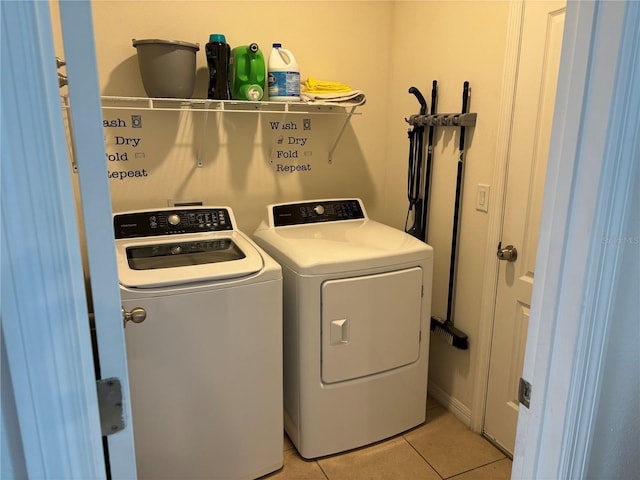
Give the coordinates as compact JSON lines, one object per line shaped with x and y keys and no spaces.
{"x":317,"y":211}
{"x":171,"y":222}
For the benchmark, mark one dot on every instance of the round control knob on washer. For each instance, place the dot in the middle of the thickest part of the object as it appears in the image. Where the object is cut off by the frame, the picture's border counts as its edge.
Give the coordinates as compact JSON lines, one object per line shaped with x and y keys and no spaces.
{"x":176,"y":249}
{"x":319,"y":209}
{"x":173,"y":219}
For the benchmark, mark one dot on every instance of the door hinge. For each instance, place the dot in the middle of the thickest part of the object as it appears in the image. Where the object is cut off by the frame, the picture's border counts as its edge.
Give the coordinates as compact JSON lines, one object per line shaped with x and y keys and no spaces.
{"x":524,"y":392}
{"x":110,"y":405}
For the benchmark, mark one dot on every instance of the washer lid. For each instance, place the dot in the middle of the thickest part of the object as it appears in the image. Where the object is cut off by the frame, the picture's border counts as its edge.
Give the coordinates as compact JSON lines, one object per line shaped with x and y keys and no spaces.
{"x":181,"y":259}
{"x":182,"y":254}
{"x":343,"y":246}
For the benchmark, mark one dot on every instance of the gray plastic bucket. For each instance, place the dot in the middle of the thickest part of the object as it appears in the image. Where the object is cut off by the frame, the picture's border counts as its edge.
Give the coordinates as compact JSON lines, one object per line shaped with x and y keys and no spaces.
{"x":167,"y":67}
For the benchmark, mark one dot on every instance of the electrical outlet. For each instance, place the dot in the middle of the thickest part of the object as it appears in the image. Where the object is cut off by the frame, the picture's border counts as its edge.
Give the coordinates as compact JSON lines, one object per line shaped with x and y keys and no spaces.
{"x":482,"y":198}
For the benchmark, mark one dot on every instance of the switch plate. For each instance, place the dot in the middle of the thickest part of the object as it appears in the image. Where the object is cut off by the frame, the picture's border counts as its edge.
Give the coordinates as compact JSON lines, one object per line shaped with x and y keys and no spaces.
{"x":482,"y":198}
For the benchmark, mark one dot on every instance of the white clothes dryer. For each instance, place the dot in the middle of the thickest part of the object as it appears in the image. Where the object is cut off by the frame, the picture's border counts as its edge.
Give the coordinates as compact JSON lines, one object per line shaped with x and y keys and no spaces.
{"x":357,"y":300}
{"x":205,"y":365}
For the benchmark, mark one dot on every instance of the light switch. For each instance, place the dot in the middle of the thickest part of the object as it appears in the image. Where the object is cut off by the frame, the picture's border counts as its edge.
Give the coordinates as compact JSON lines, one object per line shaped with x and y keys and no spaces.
{"x":482,"y":198}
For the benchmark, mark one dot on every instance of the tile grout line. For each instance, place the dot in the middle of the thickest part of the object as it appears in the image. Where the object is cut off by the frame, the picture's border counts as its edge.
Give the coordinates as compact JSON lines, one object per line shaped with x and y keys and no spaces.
{"x":422,"y":457}
{"x":476,"y":468}
{"x":326,"y":475}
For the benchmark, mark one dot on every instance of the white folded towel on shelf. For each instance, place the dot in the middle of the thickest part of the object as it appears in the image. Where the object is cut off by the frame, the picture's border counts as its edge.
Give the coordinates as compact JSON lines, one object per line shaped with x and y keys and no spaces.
{"x":353,"y":97}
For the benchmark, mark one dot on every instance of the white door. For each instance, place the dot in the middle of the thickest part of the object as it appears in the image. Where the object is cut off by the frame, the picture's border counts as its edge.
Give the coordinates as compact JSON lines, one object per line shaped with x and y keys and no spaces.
{"x":81,"y":69}
{"x":540,"y":48}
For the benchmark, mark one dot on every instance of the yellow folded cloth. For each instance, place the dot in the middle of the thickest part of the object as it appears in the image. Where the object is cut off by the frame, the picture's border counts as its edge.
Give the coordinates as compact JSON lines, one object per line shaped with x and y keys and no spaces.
{"x":312,"y":85}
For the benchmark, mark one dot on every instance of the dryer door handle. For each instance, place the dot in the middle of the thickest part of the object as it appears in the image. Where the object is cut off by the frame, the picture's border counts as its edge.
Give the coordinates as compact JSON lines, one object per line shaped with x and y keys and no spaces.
{"x":339,"y":331}
{"x":136,"y":315}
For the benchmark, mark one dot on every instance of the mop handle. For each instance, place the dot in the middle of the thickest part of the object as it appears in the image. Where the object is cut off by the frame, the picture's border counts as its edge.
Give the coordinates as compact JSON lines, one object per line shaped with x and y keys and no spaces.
{"x":465,"y":109}
{"x":411,"y":176}
{"x":427,"y":176}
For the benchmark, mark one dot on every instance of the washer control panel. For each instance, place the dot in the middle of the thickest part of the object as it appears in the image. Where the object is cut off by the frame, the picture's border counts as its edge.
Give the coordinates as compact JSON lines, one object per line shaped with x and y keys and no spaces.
{"x":171,"y":222}
{"x":317,"y":211}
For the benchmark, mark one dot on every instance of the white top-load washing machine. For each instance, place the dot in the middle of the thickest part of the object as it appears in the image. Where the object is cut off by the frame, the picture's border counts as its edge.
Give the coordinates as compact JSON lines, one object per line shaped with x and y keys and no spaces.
{"x":357,"y":299}
{"x":205,"y":365}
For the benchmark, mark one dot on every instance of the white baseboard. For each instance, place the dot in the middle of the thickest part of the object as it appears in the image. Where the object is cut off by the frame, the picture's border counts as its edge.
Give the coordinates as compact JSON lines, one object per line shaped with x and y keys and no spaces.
{"x":461,"y":411}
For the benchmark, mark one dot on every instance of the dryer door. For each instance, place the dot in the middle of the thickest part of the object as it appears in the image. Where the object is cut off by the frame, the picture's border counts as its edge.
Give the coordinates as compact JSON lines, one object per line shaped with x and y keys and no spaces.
{"x":370,"y":324}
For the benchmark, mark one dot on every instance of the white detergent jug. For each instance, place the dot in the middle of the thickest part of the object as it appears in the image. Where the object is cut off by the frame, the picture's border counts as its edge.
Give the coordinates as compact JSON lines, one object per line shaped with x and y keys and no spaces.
{"x":283,"y":75}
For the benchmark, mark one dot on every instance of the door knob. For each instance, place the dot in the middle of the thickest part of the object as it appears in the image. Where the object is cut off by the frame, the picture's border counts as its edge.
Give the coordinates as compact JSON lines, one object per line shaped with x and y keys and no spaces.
{"x":508,"y":253}
{"x":136,"y":315}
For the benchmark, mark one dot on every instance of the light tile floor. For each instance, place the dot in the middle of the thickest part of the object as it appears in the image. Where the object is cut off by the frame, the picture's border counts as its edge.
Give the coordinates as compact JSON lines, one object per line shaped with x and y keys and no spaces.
{"x":441,"y":448}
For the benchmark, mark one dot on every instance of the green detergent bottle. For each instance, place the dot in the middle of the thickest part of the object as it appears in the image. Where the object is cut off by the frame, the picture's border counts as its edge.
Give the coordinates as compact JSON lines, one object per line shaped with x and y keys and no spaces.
{"x":248,"y":73}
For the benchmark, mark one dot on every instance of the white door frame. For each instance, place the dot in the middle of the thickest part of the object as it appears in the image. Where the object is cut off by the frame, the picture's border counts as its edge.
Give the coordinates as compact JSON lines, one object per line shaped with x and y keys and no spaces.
{"x":50,"y":425}
{"x":50,"y":422}
{"x":89,"y":149}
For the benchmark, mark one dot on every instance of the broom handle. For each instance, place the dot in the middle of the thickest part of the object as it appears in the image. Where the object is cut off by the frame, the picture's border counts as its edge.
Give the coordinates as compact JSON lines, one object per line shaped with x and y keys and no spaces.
{"x":456,"y":211}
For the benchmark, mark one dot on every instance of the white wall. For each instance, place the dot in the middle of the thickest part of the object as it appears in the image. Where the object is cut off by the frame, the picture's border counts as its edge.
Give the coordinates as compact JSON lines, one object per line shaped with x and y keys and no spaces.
{"x":323,"y":37}
{"x":449,"y":41}
{"x":380,"y":47}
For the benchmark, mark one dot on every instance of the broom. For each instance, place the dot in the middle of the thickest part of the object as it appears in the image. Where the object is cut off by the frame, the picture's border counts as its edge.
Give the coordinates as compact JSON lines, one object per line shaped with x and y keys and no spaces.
{"x":445,"y":328}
